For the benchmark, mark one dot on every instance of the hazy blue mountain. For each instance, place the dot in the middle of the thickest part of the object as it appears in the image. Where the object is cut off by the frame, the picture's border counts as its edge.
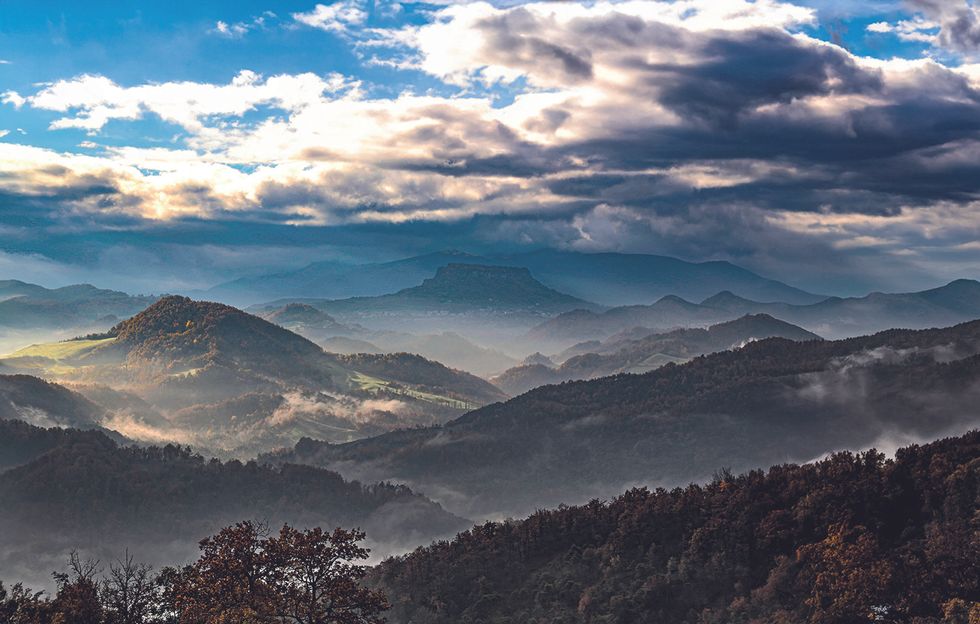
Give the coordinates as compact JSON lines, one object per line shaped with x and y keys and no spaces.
{"x":335,"y":280}
{"x":607,"y":278}
{"x":457,"y":288}
{"x":772,"y":401}
{"x":648,"y":352}
{"x":29,"y":306}
{"x":833,"y":317}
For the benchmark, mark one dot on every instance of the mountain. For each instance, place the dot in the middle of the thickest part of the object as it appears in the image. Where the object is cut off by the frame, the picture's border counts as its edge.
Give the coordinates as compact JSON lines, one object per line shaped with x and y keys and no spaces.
{"x":45,"y":404}
{"x":639,"y":355}
{"x":667,"y":313}
{"x":337,"y":280}
{"x":200,"y":360}
{"x":300,"y":317}
{"x":29,"y":306}
{"x":833,"y":317}
{"x":609,"y":278}
{"x":852,"y":538}
{"x":447,"y":347}
{"x":771,"y":401}
{"x":85,"y":490}
{"x":461,"y":288}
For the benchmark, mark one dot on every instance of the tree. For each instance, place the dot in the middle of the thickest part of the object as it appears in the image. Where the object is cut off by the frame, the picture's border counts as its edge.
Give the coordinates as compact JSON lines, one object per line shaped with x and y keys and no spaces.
{"x":244,"y":576}
{"x":77,"y":601}
{"x":129,"y":593}
{"x":316,"y":581}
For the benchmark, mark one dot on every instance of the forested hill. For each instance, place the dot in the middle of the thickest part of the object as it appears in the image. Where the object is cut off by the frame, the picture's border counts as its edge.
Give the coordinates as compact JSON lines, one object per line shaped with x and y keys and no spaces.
{"x":80,"y":489}
{"x":770,"y":402}
{"x":853,"y":538}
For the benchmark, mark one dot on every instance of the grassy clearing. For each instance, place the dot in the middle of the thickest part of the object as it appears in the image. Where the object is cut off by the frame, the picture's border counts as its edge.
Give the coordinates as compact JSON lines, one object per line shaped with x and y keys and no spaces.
{"x":58,"y":351}
{"x":375,"y":385}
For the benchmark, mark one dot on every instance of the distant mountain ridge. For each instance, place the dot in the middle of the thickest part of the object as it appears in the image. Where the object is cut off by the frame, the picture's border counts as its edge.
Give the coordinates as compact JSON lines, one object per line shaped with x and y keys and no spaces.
{"x":606,"y":278}
{"x":833,"y":317}
{"x":29,"y":306}
{"x":651,"y":351}
{"x":458,"y":288}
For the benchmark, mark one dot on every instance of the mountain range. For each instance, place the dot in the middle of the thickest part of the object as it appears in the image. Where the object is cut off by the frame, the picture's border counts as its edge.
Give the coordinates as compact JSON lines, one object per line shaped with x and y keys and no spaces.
{"x":639,"y":352}
{"x":833,"y":317}
{"x":771,"y":401}
{"x":606,"y":278}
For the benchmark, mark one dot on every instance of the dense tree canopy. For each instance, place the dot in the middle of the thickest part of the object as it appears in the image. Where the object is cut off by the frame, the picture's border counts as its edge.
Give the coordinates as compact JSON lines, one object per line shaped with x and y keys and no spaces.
{"x":853,"y":538}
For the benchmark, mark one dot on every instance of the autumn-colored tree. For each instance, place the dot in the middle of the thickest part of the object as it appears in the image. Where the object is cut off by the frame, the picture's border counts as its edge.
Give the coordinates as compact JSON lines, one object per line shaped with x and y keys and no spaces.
{"x":316,"y":580}
{"x":244,"y":576}
{"x":77,"y":601}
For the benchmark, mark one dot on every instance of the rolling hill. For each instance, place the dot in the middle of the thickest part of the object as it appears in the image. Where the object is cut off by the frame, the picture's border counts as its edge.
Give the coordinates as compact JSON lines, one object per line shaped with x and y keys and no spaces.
{"x":82,"y":489}
{"x":608,"y":278}
{"x":771,"y":401}
{"x":648,"y":352}
{"x":192,"y":357}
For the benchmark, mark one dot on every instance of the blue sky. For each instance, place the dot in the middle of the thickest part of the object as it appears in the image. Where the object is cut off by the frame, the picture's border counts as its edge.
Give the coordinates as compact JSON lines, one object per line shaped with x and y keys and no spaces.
{"x":166,"y":146}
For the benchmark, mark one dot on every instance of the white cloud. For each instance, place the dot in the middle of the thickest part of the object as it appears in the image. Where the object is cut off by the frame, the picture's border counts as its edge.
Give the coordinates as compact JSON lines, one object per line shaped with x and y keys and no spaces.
{"x":337,"y":17}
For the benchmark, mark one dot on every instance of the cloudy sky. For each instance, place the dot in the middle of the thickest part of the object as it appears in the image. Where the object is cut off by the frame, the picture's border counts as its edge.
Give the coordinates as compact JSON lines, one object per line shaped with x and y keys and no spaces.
{"x":834,"y":144}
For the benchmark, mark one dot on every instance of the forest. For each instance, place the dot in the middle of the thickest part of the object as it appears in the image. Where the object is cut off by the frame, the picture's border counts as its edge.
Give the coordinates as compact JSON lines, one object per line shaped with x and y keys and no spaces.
{"x":853,"y":538}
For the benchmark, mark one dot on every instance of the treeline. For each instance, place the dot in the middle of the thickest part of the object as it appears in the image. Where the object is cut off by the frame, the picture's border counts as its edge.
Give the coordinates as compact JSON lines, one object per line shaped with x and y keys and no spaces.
{"x":244,"y":575}
{"x":853,"y":538}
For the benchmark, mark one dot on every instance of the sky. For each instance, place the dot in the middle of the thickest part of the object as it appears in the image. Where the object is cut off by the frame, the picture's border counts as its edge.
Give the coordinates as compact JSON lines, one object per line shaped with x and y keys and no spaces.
{"x":168,"y":146}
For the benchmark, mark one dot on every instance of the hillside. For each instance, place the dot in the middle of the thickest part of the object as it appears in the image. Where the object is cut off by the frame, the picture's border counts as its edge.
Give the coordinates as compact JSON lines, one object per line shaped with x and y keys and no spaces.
{"x":86,"y":490}
{"x":853,"y":538}
{"x":45,"y":404}
{"x":834,"y":317}
{"x":608,"y":278}
{"x":183,"y":356}
{"x":640,"y":355}
{"x":771,"y":401}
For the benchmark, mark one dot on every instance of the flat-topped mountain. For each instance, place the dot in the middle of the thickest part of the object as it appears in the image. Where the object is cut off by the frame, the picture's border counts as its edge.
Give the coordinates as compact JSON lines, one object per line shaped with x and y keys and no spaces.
{"x":648,"y":352}
{"x":955,"y":302}
{"x":608,"y":278}
{"x":461,"y":289}
{"x":771,"y":401}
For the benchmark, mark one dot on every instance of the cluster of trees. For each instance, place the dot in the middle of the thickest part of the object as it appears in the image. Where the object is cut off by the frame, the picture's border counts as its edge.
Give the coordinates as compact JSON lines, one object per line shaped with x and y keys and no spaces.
{"x":244,"y":575}
{"x":850,"y":539}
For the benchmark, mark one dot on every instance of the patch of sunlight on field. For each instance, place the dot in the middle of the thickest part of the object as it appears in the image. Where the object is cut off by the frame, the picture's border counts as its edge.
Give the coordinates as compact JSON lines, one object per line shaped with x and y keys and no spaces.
{"x":58,"y":351}
{"x":375,"y":385}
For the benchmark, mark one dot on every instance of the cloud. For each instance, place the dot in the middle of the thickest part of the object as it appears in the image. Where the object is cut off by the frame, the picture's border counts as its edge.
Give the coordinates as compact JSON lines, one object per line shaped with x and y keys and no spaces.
{"x":336,"y":18}
{"x":958,"y":22}
{"x":237,"y":30}
{"x":704,"y":129}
